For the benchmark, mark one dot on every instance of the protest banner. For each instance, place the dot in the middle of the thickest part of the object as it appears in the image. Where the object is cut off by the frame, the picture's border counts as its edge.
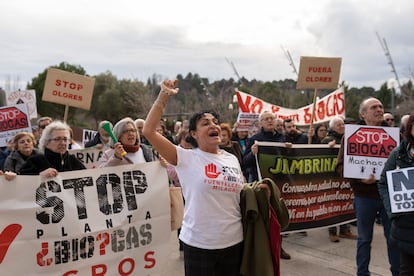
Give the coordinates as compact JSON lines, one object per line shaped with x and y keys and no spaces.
{"x":366,"y":148}
{"x":89,"y":156}
{"x":326,"y":108}
{"x":401,"y":190}
{"x":27,"y":97}
{"x":315,"y":195}
{"x":13,"y":119}
{"x":106,"y":222}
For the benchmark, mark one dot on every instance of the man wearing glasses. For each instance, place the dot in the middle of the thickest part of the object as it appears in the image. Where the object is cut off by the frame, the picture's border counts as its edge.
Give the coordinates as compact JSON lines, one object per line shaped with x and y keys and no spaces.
{"x":389,"y":119}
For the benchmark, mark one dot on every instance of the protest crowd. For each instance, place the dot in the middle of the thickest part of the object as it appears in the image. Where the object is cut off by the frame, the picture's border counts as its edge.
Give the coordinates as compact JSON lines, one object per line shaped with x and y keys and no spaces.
{"x":233,"y":209}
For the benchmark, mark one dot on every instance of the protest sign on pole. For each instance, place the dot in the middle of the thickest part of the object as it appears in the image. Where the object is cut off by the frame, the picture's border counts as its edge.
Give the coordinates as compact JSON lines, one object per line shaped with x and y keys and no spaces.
{"x":109,"y":221}
{"x":366,"y":148}
{"x":401,"y":190}
{"x":13,"y":119}
{"x":318,"y":73}
{"x":69,"y":89}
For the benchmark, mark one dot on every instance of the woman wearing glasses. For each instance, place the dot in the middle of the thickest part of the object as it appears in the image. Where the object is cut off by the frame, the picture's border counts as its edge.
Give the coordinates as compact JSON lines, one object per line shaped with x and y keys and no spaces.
{"x":128,"y":149}
{"x":53,"y":155}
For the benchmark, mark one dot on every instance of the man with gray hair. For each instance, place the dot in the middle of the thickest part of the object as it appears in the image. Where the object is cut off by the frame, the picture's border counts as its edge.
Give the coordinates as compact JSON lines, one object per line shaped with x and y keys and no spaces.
{"x":367,"y":201}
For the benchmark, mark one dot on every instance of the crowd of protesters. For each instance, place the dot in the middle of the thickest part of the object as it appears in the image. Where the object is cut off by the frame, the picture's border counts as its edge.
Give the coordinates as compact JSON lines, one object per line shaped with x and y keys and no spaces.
{"x":214,"y":246}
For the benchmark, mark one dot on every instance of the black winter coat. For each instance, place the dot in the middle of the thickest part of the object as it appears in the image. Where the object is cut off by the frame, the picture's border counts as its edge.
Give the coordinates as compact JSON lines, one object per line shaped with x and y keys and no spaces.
{"x":40,"y":162}
{"x":402,"y":224}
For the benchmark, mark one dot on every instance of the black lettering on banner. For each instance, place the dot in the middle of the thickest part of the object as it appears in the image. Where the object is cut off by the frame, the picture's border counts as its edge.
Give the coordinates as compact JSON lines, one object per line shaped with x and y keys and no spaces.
{"x":101,"y":187}
{"x":53,"y":201}
{"x":78,"y":185}
{"x":131,"y":189}
{"x":399,"y":179}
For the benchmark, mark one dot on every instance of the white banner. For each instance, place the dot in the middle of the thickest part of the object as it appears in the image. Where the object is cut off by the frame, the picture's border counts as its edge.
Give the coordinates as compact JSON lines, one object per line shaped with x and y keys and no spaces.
{"x":89,"y":156}
{"x":401,"y":190}
{"x":326,"y":108}
{"x":111,"y":221}
{"x":366,"y":148}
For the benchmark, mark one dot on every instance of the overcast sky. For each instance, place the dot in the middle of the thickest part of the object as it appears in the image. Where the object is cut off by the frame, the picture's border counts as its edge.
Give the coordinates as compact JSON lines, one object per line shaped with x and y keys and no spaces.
{"x":135,"y":39}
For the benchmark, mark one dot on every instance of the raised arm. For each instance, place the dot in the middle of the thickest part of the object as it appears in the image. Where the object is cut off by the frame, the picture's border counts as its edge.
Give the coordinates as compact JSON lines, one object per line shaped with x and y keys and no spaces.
{"x":158,"y":141}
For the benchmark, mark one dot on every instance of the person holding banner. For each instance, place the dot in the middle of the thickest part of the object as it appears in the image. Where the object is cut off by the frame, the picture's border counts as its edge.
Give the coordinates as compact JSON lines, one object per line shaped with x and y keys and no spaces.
{"x":211,"y":181}
{"x":402,"y":224}
{"x":334,"y":137}
{"x":53,"y":156}
{"x":367,"y":201}
{"x":268,"y":133}
{"x":292,"y":134}
{"x":129,"y":142}
{"x":23,"y":143}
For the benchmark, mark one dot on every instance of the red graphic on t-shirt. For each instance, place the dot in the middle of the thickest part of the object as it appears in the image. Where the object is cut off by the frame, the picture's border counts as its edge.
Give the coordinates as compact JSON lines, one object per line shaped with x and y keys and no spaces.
{"x":211,"y":171}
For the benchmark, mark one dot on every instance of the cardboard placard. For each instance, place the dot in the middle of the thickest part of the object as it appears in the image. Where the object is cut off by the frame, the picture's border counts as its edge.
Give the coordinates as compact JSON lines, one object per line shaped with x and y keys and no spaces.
{"x":68,"y":88}
{"x":319,"y":73}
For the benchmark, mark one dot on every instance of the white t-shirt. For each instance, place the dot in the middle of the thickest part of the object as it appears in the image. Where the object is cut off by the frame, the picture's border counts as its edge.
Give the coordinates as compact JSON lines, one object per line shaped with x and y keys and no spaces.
{"x":211,"y":185}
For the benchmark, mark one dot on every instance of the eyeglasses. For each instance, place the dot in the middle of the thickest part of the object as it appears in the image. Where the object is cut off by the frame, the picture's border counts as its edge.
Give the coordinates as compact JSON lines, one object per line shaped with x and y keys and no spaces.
{"x":60,"y":139}
{"x":389,"y":119}
{"x":322,"y":130}
{"x":43,"y":126}
{"x":131,"y":131}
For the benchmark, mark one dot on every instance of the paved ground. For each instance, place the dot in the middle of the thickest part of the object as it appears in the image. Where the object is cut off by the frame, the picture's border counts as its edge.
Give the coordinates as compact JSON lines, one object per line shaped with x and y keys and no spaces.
{"x":313,"y":255}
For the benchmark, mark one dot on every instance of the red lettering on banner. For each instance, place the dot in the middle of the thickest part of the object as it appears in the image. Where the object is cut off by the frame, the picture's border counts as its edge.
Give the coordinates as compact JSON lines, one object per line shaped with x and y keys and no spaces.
{"x":40,"y":255}
{"x":256,"y":106}
{"x":275,"y":108}
{"x":340,"y":103}
{"x":131,"y":267}
{"x":150,"y":261}
{"x":307,"y":116}
{"x":102,"y":270}
{"x":244,"y":106}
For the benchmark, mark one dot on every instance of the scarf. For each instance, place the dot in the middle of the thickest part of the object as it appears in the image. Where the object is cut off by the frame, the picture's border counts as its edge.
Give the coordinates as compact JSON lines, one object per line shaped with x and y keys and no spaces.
{"x":133,"y":148}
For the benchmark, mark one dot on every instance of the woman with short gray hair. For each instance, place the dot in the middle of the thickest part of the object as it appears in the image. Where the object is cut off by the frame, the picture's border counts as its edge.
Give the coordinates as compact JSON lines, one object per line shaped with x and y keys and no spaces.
{"x":128,"y":149}
{"x":53,"y":156}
